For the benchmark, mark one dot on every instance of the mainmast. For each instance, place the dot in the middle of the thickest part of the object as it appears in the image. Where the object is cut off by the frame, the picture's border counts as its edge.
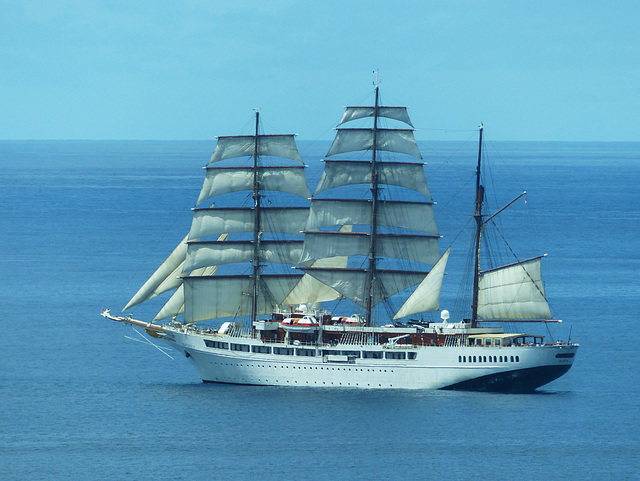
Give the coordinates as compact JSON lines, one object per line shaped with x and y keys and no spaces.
{"x":374,"y":215}
{"x":395,"y":229}
{"x":256,"y":224}
{"x":478,"y":218}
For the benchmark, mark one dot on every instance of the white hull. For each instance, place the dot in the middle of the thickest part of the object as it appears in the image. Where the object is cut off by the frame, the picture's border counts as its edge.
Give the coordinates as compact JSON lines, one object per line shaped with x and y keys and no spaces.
{"x":308,"y":346}
{"x":515,"y":369}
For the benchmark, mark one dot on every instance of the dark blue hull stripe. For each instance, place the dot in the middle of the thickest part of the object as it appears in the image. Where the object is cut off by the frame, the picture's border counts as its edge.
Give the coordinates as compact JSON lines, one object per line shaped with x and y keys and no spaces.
{"x":519,"y":381}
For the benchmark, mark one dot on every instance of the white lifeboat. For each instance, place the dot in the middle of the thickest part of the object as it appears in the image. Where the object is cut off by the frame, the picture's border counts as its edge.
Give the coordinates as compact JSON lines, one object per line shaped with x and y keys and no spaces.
{"x":303,"y":324}
{"x":354,"y":320}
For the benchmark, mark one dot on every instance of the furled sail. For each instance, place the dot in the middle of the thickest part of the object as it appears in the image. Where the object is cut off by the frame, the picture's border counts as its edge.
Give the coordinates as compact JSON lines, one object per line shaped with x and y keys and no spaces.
{"x":426,"y":297}
{"x":515,"y":291}
{"x":229,"y":147}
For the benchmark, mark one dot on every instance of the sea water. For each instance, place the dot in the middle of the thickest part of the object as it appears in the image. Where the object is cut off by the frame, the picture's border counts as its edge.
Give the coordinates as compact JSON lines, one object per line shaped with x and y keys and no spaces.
{"x":83,"y":224}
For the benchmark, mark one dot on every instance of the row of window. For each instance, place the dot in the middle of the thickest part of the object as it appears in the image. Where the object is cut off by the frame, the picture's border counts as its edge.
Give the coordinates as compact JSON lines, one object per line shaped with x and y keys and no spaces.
{"x":321,"y":368}
{"x":289,"y":351}
{"x":488,"y":359}
{"x":251,"y":380}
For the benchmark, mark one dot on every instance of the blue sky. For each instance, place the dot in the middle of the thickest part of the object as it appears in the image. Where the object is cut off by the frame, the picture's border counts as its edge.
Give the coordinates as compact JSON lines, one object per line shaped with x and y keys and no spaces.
{"x":530,"y":70}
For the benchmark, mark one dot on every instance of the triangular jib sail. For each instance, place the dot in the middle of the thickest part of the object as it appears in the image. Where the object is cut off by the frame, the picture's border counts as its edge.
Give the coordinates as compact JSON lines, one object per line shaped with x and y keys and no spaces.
{"x":165,"y":278}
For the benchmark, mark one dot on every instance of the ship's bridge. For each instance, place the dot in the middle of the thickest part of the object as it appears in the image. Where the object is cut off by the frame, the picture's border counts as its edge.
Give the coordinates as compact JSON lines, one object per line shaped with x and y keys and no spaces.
{"x":503,"y":340}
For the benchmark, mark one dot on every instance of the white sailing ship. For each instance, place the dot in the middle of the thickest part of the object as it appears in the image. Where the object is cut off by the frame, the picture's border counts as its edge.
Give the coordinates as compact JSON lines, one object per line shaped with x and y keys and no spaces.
{"x":235,"y":266}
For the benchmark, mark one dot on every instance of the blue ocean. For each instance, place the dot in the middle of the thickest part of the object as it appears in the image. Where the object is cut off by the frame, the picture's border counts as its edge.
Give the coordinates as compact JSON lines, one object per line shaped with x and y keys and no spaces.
{"x":84,"y":223}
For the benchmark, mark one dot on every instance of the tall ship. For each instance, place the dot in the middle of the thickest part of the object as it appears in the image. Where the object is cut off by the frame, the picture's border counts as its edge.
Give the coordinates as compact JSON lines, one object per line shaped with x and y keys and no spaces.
{"x":305,"y":293}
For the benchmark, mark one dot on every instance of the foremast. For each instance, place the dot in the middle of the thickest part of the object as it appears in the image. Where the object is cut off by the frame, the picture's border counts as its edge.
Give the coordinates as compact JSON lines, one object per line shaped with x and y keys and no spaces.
{"x":208,"y":269}
{"x":274,"y":229}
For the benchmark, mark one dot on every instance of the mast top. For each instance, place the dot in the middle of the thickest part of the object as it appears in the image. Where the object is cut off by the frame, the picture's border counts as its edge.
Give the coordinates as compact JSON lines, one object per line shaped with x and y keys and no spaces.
{"x":376,"y":80}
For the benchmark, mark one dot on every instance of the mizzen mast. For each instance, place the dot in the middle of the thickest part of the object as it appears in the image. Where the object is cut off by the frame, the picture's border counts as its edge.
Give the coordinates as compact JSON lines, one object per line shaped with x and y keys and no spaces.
{"x":478,"y":218}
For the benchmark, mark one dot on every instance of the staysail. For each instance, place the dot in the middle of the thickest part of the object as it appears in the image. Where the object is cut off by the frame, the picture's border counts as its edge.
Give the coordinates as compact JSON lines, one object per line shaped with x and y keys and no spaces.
{"x":162,"y":279}
{"x":169,"y":277}
{"x":426,"y":297}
